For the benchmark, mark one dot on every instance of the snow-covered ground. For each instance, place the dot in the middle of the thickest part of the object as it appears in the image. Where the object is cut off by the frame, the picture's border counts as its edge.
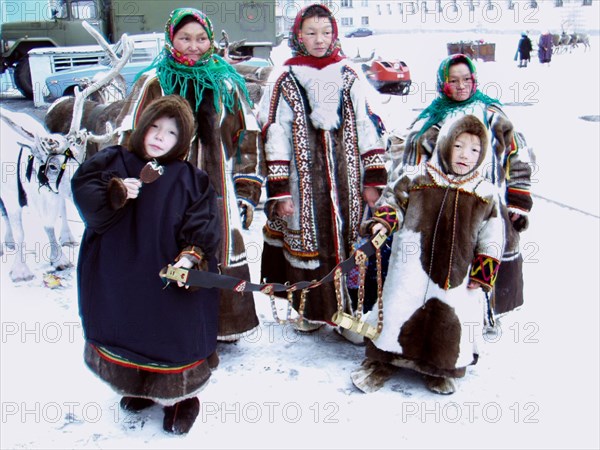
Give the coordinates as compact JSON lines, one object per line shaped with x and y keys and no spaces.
{"x":536,"y":383}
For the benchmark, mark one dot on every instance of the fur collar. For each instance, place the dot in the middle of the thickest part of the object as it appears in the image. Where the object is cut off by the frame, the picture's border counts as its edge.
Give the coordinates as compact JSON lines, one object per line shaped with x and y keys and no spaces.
{"x":323,"y":90}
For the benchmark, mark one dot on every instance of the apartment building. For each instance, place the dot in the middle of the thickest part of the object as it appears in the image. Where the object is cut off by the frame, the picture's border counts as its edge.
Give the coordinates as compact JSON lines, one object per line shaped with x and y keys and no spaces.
{"x":387,"y":16}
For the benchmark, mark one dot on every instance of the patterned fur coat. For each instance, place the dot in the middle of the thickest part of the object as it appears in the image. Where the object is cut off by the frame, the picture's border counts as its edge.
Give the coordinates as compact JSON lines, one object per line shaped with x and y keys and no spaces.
{"x":450,"y":232}
{"x":323,"y":146}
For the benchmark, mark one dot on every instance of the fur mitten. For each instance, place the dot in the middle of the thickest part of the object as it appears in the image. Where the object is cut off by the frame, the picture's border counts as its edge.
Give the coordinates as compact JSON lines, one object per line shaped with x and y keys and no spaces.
{"x":246,"y":213}
{"x":521,"y":223}
{"x":117,"y":193}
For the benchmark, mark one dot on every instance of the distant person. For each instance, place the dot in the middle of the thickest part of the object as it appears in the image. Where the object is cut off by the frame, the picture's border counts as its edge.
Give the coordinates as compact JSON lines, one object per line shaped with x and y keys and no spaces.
{"x":326,"y":165}
{"x":524,"y":50}
{"x":448,"y":238}
{"x":145,"y":207}
{"x":545,"y":45}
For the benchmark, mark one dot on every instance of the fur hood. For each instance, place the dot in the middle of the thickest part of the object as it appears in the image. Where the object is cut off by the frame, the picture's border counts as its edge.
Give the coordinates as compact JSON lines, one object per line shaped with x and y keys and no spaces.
{"x":448,"y":134}
{"x":168,"y":106}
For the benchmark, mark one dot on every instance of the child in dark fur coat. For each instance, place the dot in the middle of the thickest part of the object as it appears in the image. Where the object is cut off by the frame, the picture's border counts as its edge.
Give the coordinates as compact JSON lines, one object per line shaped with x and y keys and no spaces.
{"x":145,"y":207}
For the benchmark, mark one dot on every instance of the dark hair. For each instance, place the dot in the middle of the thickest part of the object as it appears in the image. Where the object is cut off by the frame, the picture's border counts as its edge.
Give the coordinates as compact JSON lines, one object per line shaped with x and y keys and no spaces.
{"x":183,"y":22}
{"x":316,"y":11}
{"x":171,"y":106}
{"x":461,"y":59}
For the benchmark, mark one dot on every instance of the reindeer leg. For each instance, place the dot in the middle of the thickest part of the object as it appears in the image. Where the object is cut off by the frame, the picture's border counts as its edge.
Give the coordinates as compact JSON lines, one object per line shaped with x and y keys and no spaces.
{"x":20,"y":271}
{"x":66,"y":236}
{"x":58,"y":259}
{"x":9,"y":240}
{"x":49,"y":206}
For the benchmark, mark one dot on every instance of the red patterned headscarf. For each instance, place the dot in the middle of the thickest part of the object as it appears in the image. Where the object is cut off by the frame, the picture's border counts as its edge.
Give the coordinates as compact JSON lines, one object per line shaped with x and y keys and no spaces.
{"x":301,"y":57}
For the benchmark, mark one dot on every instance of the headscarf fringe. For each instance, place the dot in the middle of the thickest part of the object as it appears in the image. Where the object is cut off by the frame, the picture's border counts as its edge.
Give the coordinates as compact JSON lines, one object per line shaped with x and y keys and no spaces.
{"x":442,"y":106}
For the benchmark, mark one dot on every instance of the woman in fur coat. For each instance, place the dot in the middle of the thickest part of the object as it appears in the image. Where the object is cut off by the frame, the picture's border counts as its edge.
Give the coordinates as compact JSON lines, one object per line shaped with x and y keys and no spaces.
{"x":228,"y":145}
{"x":325,"y":163}
{"x":447,"y":244}
{"x":508,"y":164}
{"x":150,"y":344}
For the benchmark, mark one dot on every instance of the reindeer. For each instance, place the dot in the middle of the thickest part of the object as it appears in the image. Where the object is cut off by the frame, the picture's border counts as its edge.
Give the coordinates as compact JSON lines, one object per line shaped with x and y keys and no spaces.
{"x":36,"y":170}
{"x":580,"y":38}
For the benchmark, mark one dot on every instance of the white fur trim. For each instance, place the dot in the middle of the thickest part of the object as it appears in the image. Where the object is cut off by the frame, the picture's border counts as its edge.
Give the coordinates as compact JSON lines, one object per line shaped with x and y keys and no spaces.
{"x":518,"y":211}
{"x":172,"y":401}
{"x":301,"y":263}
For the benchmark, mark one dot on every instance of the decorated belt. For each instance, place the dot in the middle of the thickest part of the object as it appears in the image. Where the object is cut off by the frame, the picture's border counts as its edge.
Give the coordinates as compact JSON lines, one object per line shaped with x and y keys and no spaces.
{"x":208,"y":280}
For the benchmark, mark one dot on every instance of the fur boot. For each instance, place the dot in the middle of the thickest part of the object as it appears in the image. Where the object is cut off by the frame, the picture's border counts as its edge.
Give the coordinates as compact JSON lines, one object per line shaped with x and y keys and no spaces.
{"x":350,"y":336}
{"x":213,"y":360}
{"x":440,"y":385}
{"x":304,"y":326}
{"x":180,"y":417}
{"x":371,"y":375}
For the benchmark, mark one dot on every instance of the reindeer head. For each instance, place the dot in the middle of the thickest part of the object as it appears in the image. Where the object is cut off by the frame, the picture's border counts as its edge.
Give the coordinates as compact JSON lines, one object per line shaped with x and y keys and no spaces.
{"x":55,"y":154}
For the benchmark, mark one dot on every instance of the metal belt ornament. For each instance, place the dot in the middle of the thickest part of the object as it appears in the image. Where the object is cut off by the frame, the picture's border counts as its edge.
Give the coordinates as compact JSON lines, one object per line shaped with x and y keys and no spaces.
{"x":208,"y":280}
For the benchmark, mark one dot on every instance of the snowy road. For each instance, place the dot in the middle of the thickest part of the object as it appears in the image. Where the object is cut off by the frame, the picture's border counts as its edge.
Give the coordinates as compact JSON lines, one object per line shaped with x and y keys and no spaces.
{"x":536,"y":383}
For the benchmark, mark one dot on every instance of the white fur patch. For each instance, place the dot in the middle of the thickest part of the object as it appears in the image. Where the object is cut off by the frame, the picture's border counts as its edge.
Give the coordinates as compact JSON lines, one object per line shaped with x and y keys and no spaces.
{"x":277,"y":144}
{"x":406,"y":289}
{"x":323,"y":91}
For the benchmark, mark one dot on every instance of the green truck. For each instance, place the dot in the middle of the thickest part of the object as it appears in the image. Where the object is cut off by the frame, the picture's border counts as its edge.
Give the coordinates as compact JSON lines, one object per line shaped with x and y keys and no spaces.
{"x":255,"y":22}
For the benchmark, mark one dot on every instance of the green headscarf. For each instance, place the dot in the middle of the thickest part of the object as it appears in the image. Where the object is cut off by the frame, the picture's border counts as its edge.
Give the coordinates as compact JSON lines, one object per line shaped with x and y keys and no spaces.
{"x":444,"y":105}
{"x":175,"y":71}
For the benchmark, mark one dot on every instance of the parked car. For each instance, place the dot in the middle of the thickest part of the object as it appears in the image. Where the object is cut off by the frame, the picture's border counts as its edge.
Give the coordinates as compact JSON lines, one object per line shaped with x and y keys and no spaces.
{"x":146,"y":47}
{"x":359,"y":32}
{"x":392,"y":77}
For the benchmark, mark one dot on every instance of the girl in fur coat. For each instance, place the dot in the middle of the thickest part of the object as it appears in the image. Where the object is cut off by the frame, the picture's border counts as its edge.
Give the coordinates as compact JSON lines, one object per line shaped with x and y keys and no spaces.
{"x":150,"y":344}
{"x":325,"y":163}
{"x":447,"y":244}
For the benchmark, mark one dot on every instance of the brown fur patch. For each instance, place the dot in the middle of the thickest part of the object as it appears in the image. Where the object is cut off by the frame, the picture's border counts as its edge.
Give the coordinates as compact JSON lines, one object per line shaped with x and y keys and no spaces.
{"x":117,"y":193}
{"x":133,"y":382}
{"x":447,"y":259}
{"x":236,"y":309}
{"x":432,"y":335}
{"x":238,"y":242}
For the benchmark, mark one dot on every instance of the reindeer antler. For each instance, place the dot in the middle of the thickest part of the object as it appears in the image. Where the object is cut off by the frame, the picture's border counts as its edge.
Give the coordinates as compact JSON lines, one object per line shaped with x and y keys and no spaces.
{"x":80,"y":96}
{"x":102,"y":42}
{"x":103,"y":138}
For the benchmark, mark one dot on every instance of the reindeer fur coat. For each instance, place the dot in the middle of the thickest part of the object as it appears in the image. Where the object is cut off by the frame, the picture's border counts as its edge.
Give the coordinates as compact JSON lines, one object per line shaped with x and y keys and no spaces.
{"x":508,"y":164}
{"x":323,"y":146}
{"x":450,"y":232}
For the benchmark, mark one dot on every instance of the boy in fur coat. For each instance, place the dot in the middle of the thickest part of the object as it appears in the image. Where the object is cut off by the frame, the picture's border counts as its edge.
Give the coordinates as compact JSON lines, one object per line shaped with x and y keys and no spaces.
{"x":325,"y":163}
{"x":448,"y":243}
{"x":150,"y":344}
